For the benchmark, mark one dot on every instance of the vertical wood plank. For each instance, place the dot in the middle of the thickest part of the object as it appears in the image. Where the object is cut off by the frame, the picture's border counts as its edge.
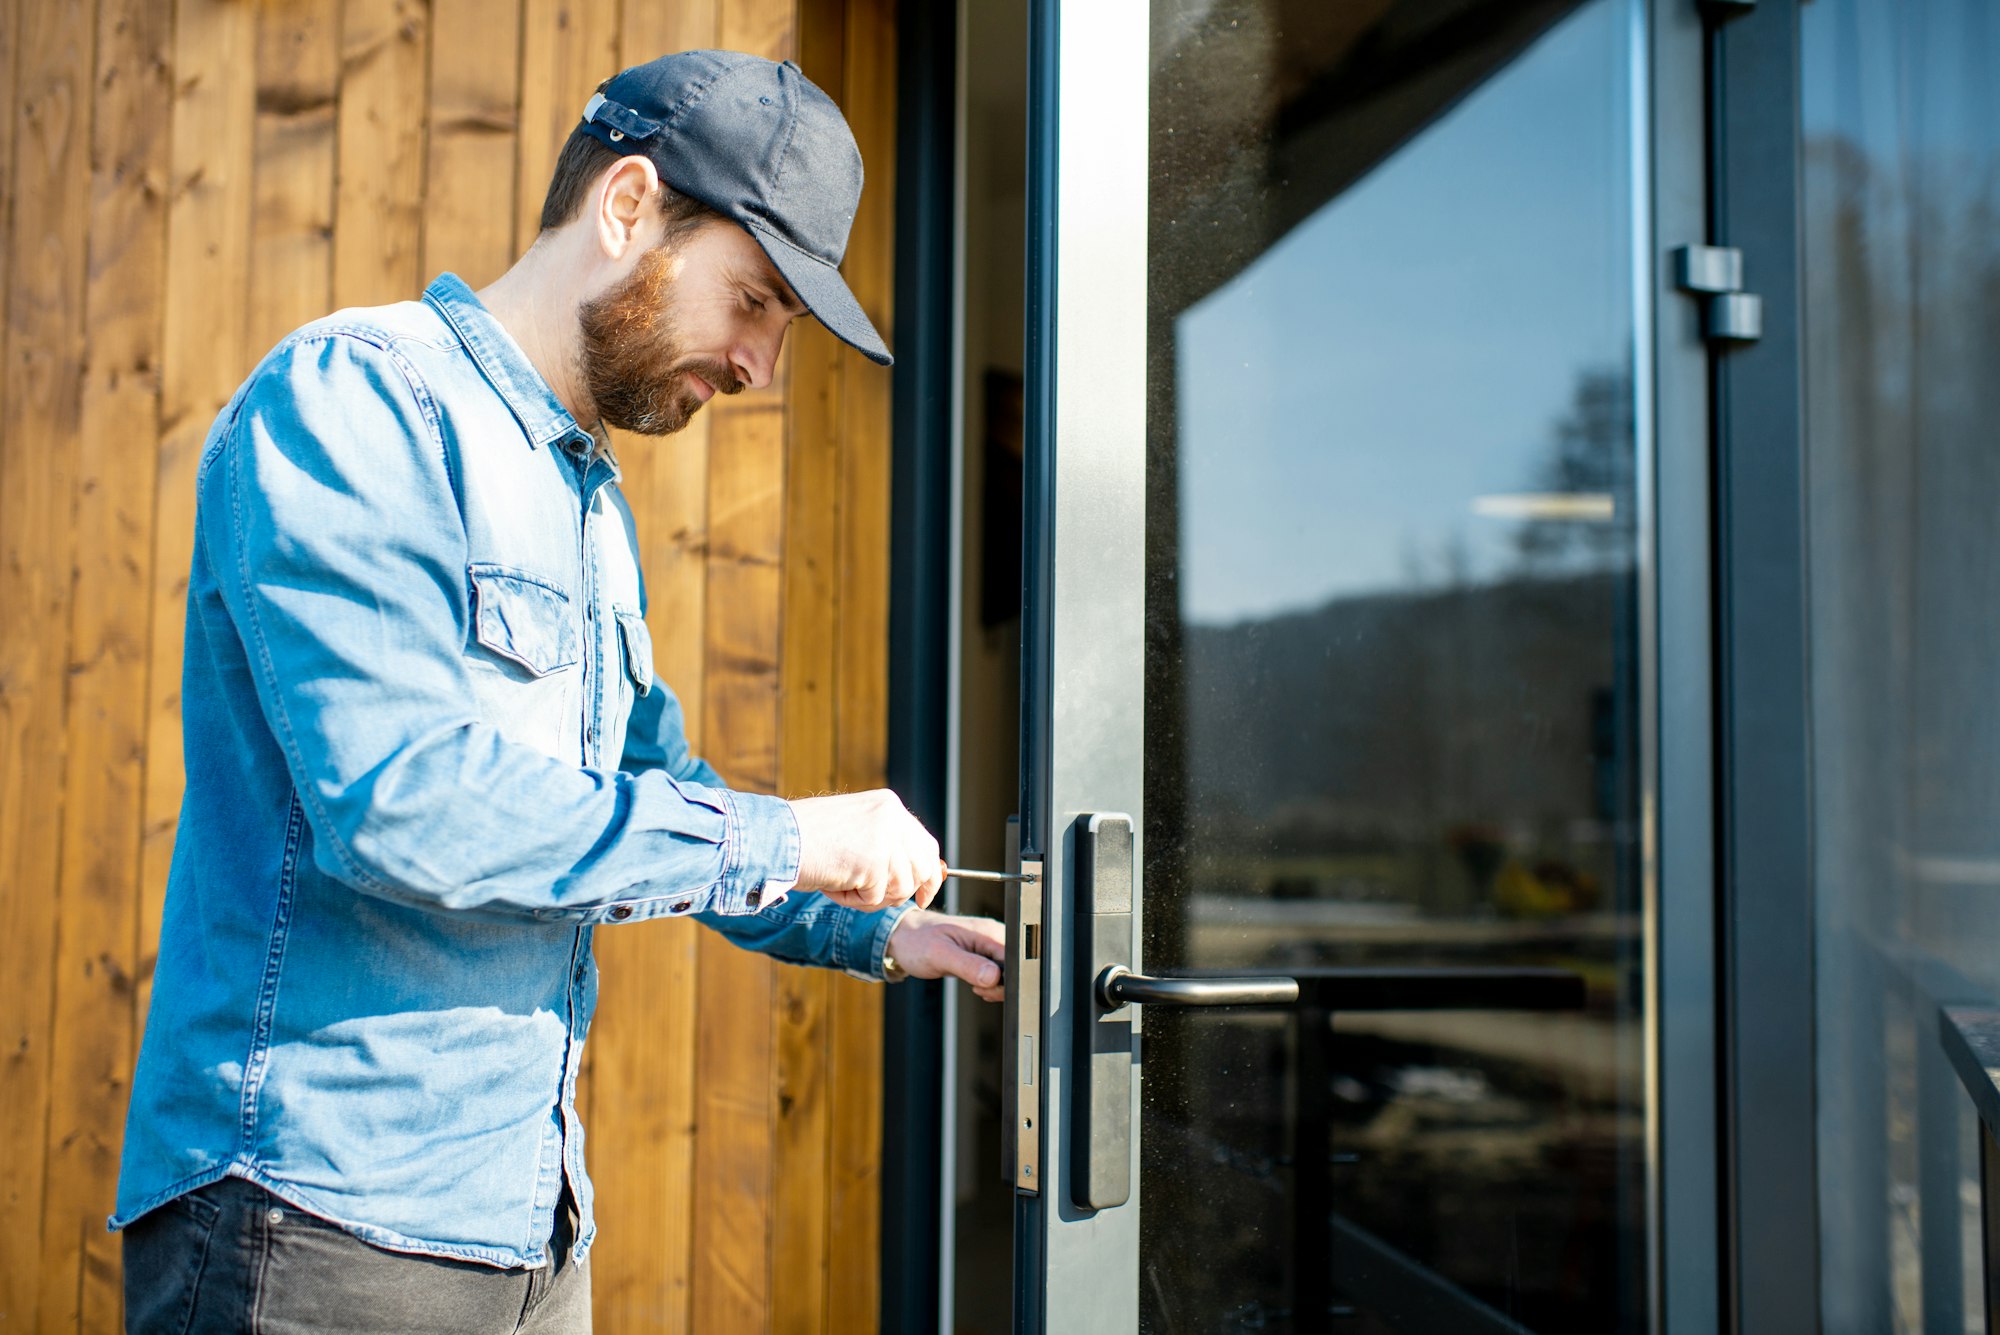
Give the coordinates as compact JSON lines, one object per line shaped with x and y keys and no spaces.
{"x":379,"y":206}
{"x":810,"y":634}
{"x":734,"y":1079}
{"x":291,"y":246}
{"x":862,"y":729}
{"x":9,"y":82}
{"x":201,"y":363}
{"x":801,"y":1210}
{"x":38,"y":443}
{"x":474,"y":138}
{"x":854,"y":1083}
{"x":870,"y":270}
{"x":97,"y":959}
{"x":645,"y":1037}
{"x":568,"y":47}
{"x":734,"y":1171}
{"x":644,"y":1103}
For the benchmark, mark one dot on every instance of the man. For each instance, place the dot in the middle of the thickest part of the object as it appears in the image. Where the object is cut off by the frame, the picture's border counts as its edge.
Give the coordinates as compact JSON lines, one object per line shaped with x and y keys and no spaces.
{"x":427,"y":756}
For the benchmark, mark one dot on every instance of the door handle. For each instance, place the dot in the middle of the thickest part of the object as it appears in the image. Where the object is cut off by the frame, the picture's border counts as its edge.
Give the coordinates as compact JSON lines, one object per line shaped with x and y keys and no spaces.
{"x":1118,"y":985}
{"x":1104,"y":1043}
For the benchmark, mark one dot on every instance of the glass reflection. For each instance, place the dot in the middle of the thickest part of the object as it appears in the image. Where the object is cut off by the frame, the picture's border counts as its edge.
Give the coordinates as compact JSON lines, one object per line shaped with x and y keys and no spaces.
{"x":1901,"y":231}
{"x":1391,"y":678}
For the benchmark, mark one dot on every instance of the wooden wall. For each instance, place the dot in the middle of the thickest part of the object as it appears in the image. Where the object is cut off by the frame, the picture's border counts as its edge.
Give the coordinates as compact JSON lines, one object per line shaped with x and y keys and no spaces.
{"x":180,"y":184}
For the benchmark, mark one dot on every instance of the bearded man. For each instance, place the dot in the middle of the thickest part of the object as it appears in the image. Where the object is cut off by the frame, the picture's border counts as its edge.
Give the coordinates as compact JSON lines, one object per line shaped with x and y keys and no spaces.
{"x":427,"y":756}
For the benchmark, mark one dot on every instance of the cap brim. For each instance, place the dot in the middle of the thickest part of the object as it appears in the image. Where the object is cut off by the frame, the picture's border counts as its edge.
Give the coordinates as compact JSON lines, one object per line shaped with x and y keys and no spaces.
{"x":825,"y":293}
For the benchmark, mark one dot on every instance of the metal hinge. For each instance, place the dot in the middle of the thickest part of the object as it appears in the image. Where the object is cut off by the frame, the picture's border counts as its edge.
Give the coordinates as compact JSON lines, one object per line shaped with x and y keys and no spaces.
{"x":1715,"y":274}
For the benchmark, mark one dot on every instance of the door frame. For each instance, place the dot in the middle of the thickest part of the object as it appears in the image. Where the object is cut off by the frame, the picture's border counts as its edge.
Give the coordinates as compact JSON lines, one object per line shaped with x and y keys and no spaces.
{"x":1769,"y":1094}
{"x":1084,"y":565}
{"x":1723,"y":636}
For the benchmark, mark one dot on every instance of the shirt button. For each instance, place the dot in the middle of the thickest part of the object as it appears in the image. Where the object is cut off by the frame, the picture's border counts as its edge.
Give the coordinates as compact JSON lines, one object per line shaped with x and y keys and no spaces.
{"x":754,"y":898}
{"x":275,"y":1216}
{"x":621,"y":913}
{"x":684,"y":906}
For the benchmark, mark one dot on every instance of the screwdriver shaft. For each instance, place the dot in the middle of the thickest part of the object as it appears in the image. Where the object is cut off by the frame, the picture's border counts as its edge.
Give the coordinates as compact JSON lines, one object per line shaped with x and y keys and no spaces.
{"x":965,"y":875}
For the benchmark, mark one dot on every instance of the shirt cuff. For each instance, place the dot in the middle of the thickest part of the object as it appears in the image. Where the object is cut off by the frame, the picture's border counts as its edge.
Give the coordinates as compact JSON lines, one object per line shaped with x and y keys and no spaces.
{"x":864,"y":939}
{"x":760,"y":850}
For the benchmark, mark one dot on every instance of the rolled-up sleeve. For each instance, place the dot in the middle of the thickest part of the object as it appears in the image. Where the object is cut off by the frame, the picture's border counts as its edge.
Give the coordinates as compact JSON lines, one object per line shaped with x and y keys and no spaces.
{"x":331,"y":524}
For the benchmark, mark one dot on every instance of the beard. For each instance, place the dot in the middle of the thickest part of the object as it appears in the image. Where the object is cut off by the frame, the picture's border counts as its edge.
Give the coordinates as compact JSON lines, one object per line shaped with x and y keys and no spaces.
{"x":632,"y":360}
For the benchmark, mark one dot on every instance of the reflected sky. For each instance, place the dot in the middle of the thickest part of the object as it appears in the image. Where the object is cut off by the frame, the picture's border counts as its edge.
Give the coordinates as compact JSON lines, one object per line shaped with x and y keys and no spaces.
{"x":1412,"y":345}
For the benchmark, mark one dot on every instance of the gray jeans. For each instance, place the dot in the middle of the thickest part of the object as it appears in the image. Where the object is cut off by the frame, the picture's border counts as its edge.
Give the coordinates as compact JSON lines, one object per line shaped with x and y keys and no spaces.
{"x":232,"y":1257}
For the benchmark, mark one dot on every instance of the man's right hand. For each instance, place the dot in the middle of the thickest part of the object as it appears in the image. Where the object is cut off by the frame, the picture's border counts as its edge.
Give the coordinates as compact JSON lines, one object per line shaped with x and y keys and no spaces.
{"x":866,"y":850}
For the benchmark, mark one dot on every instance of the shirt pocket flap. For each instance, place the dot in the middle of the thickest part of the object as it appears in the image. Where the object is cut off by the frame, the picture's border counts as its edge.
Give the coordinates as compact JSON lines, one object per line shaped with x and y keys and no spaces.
{"x":638,"y":642}
{"x":522,"y":618}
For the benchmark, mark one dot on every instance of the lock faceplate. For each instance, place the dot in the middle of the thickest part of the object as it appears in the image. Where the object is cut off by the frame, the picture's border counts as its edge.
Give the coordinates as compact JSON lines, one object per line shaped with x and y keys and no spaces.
{"x":1021,"y":1062}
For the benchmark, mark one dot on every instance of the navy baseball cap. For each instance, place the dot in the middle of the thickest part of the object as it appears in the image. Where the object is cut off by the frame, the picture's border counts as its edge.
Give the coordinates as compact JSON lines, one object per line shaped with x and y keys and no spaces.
{"x":759,"y":143}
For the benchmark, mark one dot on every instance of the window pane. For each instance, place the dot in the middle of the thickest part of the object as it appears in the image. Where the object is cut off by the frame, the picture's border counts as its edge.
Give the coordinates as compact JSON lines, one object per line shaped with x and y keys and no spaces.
{"x":1902,"y":264}
{"x":1392,"y":681}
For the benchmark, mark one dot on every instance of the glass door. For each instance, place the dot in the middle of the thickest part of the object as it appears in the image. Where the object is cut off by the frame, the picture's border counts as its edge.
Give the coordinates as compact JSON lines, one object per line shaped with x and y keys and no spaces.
{"x":1338,"y":666}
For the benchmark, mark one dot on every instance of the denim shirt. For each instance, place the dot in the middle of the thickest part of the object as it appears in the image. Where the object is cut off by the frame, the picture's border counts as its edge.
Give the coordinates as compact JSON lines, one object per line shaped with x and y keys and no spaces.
{"x":426,"y":758}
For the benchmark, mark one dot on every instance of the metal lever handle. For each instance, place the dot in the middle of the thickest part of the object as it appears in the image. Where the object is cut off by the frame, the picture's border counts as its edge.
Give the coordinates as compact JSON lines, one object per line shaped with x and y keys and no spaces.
{"x":1118,"y":985}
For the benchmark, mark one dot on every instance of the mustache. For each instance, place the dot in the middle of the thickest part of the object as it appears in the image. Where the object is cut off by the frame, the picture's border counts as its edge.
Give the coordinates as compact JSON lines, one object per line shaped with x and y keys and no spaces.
{"x":717,"y":373}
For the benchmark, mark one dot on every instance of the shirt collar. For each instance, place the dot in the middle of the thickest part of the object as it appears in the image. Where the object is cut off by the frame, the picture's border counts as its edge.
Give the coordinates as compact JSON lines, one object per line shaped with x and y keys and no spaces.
{"x":501,"y":361}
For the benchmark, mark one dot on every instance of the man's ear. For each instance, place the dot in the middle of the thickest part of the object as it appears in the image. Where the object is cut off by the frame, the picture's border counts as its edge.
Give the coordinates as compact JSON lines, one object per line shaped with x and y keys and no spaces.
{"x":623,"y":201}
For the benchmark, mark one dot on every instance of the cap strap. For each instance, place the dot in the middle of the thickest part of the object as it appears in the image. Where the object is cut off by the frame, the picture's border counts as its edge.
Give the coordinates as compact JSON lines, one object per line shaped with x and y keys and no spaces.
{"x":623,"y":122}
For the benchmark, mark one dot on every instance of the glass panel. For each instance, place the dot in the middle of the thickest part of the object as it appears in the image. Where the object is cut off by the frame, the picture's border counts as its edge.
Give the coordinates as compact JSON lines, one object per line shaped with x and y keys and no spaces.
{"x":1901,"y":117}
{"x":1392,"y":684}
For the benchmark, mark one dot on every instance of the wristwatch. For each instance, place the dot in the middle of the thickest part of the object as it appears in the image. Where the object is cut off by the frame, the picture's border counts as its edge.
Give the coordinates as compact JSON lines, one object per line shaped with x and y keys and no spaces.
{"x":892,"y":972}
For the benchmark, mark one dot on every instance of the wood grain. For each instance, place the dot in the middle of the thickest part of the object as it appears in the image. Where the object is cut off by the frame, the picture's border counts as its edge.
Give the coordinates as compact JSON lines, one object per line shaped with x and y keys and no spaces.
{"x":9,"y":81}
{"x":96,"y":962}
{"x":801,"y":1214}
{"x":568,"y":48}
{"x":379,"y":204}
{"x":735,"y":1088}
{"x":180,"y":186}
{"x":38,"y":467}
{"x":862,"y":705}
{"x":291,"y":227}
{"x":474,"y":139}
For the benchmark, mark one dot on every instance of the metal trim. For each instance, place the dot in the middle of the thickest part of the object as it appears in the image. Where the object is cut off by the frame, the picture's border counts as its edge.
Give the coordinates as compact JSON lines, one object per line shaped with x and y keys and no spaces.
{"x":1676,"y":627}
{"x":916,"y":1066}
{"x":1763,"y":737}
{"x":1085,"y":578}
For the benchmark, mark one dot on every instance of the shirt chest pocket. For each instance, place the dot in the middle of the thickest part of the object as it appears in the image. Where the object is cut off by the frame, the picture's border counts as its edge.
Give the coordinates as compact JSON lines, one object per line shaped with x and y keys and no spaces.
{"x":522,"y":619}
{"x":636,"y":644}
{"x":635,"y":657}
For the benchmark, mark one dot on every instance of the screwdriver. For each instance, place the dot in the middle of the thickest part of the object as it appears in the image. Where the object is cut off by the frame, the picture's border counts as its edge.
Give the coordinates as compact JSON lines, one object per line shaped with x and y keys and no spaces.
{"x":965,"y":875}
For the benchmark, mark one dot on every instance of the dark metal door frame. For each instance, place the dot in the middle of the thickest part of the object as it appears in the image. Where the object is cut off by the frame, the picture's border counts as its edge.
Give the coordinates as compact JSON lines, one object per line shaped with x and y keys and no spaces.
{"x":1763,"y":740}
{"x":915,"y":1248}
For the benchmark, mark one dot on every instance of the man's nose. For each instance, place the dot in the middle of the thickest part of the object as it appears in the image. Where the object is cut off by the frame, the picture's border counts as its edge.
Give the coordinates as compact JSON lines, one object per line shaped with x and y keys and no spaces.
{"x":756,"y":357}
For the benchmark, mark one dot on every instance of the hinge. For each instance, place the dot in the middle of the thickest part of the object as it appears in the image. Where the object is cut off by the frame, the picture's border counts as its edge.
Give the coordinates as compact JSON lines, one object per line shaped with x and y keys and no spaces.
{"x":1715,"y":274}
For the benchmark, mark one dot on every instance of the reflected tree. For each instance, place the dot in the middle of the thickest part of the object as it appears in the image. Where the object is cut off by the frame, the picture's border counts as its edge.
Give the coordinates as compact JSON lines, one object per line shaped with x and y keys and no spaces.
{"x":1590,"y":460}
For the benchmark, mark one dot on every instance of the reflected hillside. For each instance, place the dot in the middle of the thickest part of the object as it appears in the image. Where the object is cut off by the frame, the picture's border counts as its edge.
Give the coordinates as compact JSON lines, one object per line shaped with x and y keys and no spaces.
{"x":1409,"y":747}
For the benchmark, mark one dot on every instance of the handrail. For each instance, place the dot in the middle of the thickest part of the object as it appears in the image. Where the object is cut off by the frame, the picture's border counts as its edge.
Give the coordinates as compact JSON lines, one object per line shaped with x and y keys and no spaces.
{"x":1971,"y":1039}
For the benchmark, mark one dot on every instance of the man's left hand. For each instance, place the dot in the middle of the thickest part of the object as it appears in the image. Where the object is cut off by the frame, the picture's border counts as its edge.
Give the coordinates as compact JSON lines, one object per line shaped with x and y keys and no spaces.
{"x":939,"y":945}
